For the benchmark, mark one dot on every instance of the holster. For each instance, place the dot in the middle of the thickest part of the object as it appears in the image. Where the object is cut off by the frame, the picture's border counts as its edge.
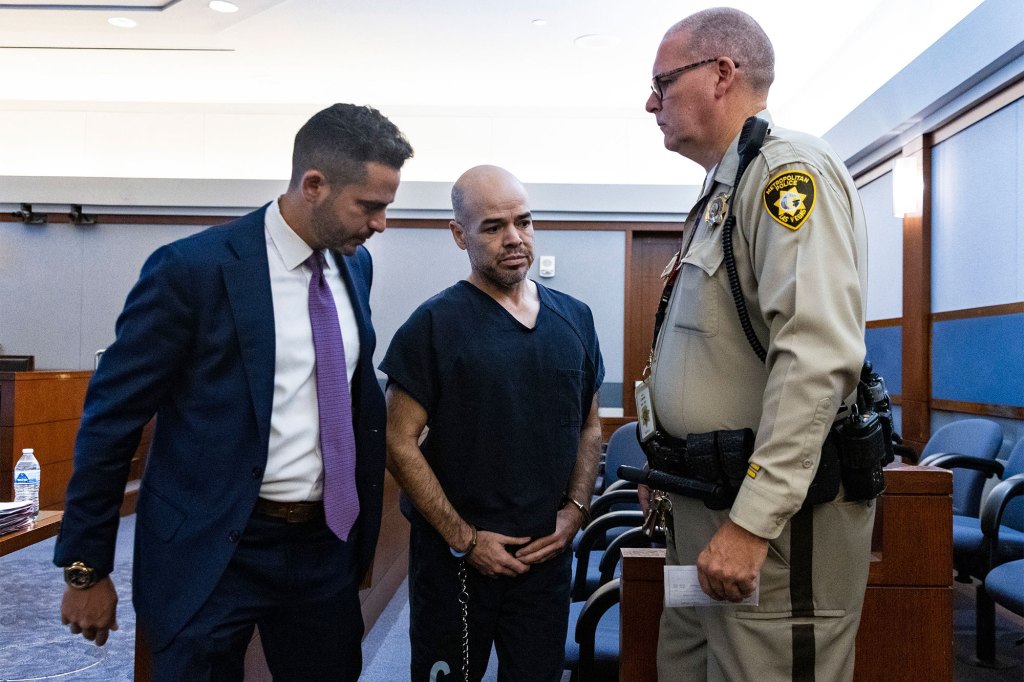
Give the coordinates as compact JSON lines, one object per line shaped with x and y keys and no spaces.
{"x":862,"y":455}
{"x":665,"y":453}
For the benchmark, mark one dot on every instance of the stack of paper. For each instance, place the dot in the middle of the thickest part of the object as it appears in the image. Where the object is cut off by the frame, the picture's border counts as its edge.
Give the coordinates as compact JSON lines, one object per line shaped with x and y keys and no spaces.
{"x":15,"y":516}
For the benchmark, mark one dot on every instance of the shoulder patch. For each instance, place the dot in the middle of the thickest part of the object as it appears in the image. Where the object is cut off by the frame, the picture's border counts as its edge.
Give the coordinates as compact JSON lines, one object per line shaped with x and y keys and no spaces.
{"x":789,"y":198}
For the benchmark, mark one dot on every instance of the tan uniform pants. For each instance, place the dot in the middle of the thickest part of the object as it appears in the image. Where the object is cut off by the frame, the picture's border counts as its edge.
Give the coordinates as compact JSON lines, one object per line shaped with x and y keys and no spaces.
{"x":812,"y":589}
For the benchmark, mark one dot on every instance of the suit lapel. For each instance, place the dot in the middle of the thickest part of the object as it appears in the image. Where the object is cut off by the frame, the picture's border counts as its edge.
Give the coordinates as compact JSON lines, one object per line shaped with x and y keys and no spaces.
{"x":359,"y":295}
{"x":247,"y":280}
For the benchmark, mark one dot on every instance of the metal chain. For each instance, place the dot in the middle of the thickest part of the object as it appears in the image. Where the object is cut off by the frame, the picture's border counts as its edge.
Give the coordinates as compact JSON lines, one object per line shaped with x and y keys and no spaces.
{"x":464,"y":603}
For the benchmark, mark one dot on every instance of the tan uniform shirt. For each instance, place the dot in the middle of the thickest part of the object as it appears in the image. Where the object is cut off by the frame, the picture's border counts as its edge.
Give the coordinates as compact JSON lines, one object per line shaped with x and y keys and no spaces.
{"x":805,"y":290}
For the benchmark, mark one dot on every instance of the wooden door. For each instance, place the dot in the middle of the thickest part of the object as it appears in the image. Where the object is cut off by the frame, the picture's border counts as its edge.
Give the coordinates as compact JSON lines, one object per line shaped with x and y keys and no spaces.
{"x":649,"y":251}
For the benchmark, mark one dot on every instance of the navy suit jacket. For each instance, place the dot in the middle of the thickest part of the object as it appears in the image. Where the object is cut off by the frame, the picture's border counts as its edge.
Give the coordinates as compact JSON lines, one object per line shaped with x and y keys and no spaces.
{"x":195,"y":346}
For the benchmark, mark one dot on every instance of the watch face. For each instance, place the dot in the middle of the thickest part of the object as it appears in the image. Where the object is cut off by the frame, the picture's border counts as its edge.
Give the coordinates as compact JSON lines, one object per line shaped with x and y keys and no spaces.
{"x":78,"y":576}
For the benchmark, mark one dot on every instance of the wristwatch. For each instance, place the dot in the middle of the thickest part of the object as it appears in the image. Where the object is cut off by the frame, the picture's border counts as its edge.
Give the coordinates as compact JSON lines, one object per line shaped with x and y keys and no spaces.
{"x":79,"y":576}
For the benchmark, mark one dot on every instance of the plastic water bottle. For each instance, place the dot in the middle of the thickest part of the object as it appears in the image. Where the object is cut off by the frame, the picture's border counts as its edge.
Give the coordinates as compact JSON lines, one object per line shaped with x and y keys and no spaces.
{"x":26,"y":479}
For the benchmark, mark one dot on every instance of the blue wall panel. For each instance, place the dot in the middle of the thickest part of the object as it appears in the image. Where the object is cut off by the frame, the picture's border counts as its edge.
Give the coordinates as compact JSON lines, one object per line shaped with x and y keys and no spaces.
{"x":885,"y":351}
{"x":979,"y":360}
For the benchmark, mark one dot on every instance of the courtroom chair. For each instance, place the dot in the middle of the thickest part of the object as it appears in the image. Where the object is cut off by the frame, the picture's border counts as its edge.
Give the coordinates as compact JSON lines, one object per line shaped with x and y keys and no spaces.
{"x":588,"y":552}
{"x":621,"y":496}
{"x":611,"y":559}
{"x":592,"y":641}
{"x":970,"y":551}
{"x":1003,"y":580}
{"x":623,"y":448}
{"x":978,"y":438}
{"x":602,"y":566}
{"x":1005,"y":585}
{"x":611,"y":492}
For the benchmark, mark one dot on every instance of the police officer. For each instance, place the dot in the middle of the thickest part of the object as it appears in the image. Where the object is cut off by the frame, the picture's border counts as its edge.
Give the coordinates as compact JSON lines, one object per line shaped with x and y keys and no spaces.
{"x":800,"y":254}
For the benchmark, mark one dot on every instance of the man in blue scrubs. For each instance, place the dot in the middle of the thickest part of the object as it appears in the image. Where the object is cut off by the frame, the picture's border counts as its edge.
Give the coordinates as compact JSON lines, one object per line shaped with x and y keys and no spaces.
{"x":505,"y":374}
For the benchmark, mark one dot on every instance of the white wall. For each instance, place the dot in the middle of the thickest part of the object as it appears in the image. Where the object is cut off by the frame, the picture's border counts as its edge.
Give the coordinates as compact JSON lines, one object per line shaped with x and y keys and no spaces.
{"x":978,"y":214}
{"x":885,"y":250}
{"x":977,"y":57}
{"x":411,"y":265}
{"x":254,"y":142}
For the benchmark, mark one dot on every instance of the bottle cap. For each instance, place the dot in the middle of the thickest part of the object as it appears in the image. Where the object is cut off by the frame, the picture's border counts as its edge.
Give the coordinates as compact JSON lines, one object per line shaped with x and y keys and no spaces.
{"x":27,"y":451}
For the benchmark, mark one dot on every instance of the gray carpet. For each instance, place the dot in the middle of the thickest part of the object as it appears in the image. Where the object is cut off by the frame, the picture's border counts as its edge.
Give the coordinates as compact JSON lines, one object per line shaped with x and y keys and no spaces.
{"x":34,"y":645}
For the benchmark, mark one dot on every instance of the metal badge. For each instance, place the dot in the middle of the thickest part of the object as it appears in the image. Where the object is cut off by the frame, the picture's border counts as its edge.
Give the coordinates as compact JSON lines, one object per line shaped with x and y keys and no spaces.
{"x":717,"y":209}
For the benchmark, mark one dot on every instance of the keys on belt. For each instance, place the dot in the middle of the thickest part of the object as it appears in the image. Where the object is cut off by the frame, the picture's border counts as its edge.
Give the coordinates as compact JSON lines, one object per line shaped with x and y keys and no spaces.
{"x":656,"y":521}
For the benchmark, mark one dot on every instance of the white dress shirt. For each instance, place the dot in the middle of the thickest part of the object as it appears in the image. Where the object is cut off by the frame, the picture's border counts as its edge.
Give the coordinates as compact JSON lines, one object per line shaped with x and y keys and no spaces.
{"x":294,"y":471}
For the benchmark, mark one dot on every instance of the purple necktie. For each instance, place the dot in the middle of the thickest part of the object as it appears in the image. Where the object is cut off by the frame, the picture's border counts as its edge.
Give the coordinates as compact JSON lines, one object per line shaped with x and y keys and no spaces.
{"x":337,"y":441}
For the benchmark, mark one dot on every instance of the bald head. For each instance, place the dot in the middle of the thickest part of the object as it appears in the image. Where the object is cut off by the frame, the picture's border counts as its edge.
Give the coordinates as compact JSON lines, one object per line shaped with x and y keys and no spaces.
{"x":728,"y":32}
{"x":494,"y":225}
{"x":479,"y":186}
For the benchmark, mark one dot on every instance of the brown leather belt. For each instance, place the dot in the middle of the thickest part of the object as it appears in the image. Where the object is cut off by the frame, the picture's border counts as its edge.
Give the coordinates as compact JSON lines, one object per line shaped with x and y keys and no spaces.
{"x":292,"y":512}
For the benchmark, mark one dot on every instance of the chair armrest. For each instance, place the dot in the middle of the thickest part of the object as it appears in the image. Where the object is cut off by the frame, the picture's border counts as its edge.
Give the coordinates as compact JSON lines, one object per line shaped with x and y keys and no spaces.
{"x":620,"y":484}
{"x":596,"y":530}
{"x":907,"y":453}
{"x":955,"y":460}
{"x":604,"y":502}
{"x":599,"y":479}
{"x":634,"y":537}
{"x":992,"y":512}
{"x":597,"y":605}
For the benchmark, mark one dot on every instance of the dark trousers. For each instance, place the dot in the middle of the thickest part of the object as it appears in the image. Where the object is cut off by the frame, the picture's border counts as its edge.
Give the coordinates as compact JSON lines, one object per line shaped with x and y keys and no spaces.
{"x":525,"y":618}
{"x":296,"y":582}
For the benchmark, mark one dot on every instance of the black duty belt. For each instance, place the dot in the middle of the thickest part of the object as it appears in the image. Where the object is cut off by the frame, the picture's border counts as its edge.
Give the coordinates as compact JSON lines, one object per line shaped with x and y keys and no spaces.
{"x":709,"y":466}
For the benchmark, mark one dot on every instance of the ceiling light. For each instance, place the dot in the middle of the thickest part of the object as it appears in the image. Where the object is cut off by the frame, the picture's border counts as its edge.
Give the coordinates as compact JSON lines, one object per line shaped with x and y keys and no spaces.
{"x":122,"y":22}
{"x":223,"y":6}
{"x":596,"y":41}
{"x":539,"y":22}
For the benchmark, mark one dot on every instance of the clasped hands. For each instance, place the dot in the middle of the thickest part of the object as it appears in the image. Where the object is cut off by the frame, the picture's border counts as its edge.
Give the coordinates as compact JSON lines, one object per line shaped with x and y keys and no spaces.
{"x":492,"y":558}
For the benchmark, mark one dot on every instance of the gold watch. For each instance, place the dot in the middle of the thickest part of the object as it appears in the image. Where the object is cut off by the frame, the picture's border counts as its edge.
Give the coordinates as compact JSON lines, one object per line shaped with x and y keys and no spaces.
{"x":79,"y":576}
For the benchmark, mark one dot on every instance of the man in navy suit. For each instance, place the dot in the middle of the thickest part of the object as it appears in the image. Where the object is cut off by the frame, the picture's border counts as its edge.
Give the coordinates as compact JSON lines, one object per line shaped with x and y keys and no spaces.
{"x":215,"y":339}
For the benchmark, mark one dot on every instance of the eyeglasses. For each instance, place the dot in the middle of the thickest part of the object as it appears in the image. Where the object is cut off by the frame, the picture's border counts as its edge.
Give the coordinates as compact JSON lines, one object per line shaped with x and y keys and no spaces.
{"x":657,"y":84}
